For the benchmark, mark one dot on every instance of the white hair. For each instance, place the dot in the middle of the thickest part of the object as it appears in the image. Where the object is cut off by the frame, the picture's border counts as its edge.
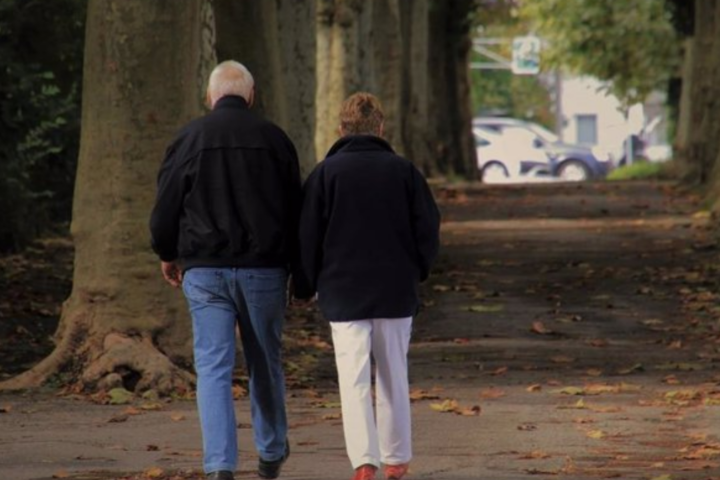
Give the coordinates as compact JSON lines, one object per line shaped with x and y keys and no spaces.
{"x":230,"y":78}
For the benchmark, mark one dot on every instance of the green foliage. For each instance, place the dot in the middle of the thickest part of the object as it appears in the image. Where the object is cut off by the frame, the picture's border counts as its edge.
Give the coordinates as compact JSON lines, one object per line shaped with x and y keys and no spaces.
{"x":500,"y":91}
{"x":41,"y":45}
{"x":630,"y":44}
{"x":641,"y":171}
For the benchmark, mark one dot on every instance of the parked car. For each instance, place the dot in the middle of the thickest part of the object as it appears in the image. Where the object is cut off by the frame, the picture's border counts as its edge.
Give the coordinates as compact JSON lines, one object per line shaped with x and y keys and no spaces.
{"x":570,"y":162}
{"x":502,"y":160}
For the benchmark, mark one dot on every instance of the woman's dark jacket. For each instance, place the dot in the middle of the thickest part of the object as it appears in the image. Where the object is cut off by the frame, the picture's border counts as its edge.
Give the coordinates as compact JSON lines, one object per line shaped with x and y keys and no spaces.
{"x":369,"y":231}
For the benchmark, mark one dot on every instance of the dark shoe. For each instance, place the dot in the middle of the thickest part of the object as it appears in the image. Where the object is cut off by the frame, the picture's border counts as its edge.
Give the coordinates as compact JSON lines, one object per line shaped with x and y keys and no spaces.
{"x":220,"y":475}
{"x":271,"y":468}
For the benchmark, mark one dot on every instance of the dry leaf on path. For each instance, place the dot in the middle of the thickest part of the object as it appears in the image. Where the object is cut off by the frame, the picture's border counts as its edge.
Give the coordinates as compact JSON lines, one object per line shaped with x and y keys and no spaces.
{"x":540,"y":328}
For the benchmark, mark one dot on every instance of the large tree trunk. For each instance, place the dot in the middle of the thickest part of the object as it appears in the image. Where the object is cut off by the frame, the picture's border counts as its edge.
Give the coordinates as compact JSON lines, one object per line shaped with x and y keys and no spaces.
{"x":415,"y":93}
{"x":340,"y":68}
{"x":712,"y":119}
{"x":283,"y":65}
{"x":386,"y":58}
{"x":450,"y":44}
{"x":145,"y":67}
{"x":698,"y":157}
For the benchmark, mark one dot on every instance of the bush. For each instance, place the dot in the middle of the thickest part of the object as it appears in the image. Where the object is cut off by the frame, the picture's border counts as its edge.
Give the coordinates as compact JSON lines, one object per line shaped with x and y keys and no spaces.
{"x":41,"y":45}
{"x":641,"y":170}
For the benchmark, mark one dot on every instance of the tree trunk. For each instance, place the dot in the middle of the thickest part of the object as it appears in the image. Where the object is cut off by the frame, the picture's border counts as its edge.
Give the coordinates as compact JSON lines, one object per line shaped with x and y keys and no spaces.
{"x":697,"y":156}
{"x":450,"y":44}
{"x":283,"y":65}
{"x":415,"y":94}
{"x":296,"y":19}
{"x":385,"y":57}
{"x":712,"y":118}
{"x":122,"y":325}
{"x":682,"y":135}
{"x":339,"y":65}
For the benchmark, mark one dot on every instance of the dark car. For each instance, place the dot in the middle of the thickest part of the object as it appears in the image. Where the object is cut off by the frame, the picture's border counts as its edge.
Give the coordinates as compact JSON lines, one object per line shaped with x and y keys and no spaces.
{"x":571,"y":162}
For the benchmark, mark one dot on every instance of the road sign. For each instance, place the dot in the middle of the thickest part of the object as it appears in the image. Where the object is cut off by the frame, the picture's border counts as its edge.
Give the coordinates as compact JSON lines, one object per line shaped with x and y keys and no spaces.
{"x":526,"y":55}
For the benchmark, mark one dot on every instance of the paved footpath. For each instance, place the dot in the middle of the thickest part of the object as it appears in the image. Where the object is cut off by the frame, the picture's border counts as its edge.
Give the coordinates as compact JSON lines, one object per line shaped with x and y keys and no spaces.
{"x":570,"y":331}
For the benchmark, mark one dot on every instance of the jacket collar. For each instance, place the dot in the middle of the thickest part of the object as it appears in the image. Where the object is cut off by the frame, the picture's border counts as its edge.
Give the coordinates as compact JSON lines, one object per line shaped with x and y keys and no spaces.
{"x":231,"y":101}
{"x":359,"y":143}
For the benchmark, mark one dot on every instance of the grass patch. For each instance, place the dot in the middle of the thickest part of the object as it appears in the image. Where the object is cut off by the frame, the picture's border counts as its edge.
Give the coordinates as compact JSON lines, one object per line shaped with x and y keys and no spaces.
{"x":641,"y":171}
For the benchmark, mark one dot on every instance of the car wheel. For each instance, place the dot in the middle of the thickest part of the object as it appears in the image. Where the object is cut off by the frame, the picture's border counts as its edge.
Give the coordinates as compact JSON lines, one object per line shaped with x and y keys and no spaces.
{"x":573,"y":171}
{"x":494,"y":172}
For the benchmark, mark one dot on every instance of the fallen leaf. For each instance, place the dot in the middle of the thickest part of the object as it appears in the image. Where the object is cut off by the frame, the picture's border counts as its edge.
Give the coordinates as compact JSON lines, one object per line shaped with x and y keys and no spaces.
{"x":119,"y":418}
{"x":441,"y":288}
{"x":596,"y":434}
{"x":154,"y":472}
{"x":152,"y":448}
{"x":61,"y":474}
{"x":638,"y":367}
{"x":416,"y":395}
{"x":486,"y":308}
{"x":177,"y":417}
{"x":597,"y":342}
{"x":331,"y":416}
{"x":539,"y":328}
{"x":594,"y":372}
{"x":473,"y":411}
{"x":120,"y":396}
{"x":492,"y":393}
{"x":562,"y":359}
{"x":499,"y":371}
{"x":579,"y":405}
{"x":446,"y":406}
{"x":570,"y":391}
{"x":663,"y":477}
{"x":536,"y":387}
{"x":527,"y":427}
{"x":535,"y":455}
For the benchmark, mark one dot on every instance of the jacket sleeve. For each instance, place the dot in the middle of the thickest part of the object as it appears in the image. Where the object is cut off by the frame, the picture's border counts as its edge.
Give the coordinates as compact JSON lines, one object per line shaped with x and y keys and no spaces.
{"x":312,"y":227}
{"x":426,"y":223}
{"x":165,"y":217}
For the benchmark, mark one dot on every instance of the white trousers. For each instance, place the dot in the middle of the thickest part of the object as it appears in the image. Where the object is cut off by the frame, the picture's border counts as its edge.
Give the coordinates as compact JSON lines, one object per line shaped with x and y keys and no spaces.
{"x":387,"y":440}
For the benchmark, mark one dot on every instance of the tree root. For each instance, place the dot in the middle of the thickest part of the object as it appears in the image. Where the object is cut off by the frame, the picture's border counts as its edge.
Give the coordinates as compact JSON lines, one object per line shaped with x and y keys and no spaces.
{"x":131,"y":362}
{"x":137,"y":364}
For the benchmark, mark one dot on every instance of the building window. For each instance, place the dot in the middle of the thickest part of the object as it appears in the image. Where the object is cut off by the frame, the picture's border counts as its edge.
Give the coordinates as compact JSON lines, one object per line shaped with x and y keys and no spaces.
{"x":586,"y":129}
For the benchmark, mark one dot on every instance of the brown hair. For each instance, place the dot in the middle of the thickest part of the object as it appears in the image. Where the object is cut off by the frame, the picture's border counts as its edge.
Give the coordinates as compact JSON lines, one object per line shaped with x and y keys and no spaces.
{"x":361,"y":113}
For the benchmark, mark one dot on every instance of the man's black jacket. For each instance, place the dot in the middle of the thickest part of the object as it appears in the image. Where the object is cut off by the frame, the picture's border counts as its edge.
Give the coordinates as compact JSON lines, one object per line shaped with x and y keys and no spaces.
{"x":228,"y":193}
{"x":369,"y":231}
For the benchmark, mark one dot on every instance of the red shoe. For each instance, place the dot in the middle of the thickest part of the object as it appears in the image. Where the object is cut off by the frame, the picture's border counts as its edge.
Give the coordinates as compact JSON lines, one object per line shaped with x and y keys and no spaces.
{"x":396,"y":472}
{"x":365,"y":472}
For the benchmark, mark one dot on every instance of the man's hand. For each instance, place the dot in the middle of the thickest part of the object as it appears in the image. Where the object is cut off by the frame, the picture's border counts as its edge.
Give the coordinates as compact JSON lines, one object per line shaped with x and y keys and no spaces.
{"x":172,"y":273}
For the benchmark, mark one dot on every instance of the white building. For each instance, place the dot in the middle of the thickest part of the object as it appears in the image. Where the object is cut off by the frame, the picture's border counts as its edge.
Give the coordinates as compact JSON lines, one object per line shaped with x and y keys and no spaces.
{"x":593,"y":117}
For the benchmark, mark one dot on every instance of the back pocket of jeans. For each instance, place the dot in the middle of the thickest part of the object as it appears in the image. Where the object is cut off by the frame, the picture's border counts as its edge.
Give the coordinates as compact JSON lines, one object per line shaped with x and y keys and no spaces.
{"x":202,"y":284}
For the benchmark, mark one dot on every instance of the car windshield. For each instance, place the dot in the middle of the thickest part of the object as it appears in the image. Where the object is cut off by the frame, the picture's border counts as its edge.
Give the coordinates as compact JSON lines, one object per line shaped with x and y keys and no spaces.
{"x":543,"y":133}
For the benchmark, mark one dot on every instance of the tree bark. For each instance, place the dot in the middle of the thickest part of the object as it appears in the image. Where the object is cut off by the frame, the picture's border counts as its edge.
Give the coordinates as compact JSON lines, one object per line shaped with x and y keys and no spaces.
{"x":415,"y":94}
{"x":283,"y":65}
{"x":340,"y":70}
{"x":122,"y":325}
{"x":697,"y":157}
{"x":450,"y":42}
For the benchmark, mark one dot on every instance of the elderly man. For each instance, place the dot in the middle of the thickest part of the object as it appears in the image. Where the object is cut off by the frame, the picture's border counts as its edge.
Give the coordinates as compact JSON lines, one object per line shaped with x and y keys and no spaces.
{"x":369,"y":232}
{"x":225,"y":226}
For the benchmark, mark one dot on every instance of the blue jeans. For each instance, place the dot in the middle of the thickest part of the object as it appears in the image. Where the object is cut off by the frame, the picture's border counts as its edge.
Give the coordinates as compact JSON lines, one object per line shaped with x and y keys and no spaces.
{"x":255,"y":298}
